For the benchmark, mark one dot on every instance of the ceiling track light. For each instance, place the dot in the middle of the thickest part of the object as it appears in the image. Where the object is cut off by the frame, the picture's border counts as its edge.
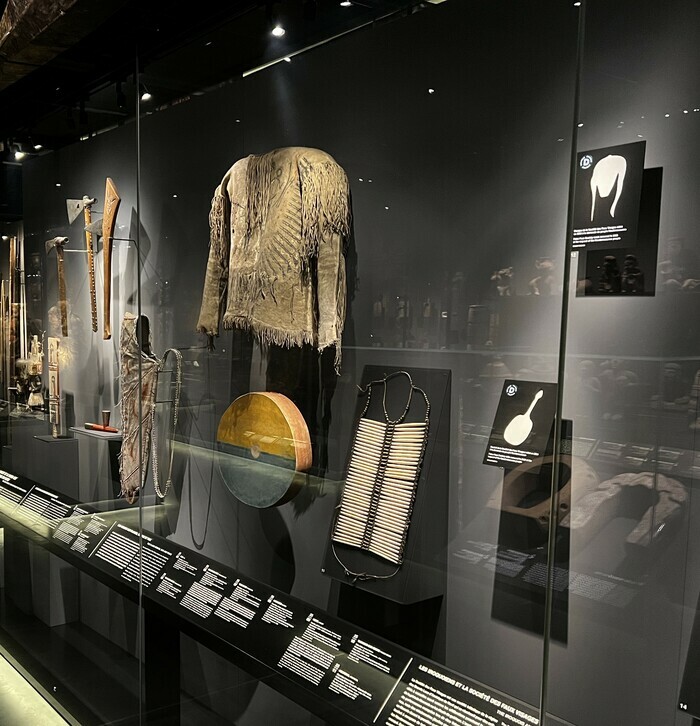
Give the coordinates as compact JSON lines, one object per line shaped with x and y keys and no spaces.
{"x":278,"y":31}
{"x":145,"y":94}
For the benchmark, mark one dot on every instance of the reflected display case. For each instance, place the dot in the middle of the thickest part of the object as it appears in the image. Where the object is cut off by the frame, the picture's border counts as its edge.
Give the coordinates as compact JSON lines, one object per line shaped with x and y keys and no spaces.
{"x":360,"y":385}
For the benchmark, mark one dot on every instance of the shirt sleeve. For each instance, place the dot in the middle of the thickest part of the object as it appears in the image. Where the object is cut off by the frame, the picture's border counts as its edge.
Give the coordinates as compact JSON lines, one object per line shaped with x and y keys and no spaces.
{"x":215,"y":281}
{"x":331,"y":291}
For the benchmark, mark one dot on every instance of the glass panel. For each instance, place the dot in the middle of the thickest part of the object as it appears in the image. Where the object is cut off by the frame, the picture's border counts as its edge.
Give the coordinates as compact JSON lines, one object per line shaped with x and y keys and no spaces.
{"x":454,"y":128}
{"x":70,"y":615}
{"x":631,"y":384}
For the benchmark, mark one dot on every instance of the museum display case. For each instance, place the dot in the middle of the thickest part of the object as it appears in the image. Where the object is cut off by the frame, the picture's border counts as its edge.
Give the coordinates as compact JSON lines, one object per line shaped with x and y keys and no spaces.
{"x":309,"y":411}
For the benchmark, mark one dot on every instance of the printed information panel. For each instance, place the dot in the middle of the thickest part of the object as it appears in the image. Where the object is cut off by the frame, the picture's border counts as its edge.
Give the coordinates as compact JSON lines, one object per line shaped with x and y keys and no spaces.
{"x":428,"y":694}
{"x":523,"y":424}
{"x":364,"y":676}
{"x":608,"y":194}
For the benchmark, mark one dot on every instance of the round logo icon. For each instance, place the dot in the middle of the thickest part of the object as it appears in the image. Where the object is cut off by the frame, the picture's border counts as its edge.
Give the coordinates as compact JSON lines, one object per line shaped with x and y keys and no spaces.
{"x":586,"y":161}
{"x":511,"y":390}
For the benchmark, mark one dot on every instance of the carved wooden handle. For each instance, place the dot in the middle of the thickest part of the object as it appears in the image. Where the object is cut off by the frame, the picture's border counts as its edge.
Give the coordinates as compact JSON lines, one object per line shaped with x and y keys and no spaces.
{"x":11,"y":327}
{"x":62,"y":301}
{"x":13,"y":269}
{"x":87,"y":216}
{"x":109,"y":221}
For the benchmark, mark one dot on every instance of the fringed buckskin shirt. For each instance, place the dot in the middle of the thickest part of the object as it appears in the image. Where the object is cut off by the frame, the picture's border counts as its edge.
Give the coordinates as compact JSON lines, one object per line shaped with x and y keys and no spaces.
{"x":279,"y":226}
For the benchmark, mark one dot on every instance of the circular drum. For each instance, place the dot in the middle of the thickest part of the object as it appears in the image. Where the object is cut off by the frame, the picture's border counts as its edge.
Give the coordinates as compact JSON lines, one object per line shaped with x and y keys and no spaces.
{"x":266,"y":444}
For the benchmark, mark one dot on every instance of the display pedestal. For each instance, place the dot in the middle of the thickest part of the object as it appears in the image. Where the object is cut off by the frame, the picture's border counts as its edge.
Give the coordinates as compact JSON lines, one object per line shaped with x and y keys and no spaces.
{"x":5,"y":433}
{"x":7,"y":457}
{"x":42,"y":458}
{"x":413,"y":626}
{"x":56,"y":464}
{"x":98,"y":464}
{"x":519,"y":595}
{"x":102,"y":609}
{"x":25,"y":460}
{"x":108,"y":613}
{"x":162,"y":672}
{"x":50,"y":593}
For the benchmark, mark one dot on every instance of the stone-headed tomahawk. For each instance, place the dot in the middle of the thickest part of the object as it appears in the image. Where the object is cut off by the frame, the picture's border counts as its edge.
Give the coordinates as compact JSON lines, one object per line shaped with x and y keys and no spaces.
{"x":106,"y":228}
{"x":75,"y":207}
{"x":57,"y":243}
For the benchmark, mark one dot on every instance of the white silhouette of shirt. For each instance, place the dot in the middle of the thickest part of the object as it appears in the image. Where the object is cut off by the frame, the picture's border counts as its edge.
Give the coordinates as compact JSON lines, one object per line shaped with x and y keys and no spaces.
{"x":607,"y":171}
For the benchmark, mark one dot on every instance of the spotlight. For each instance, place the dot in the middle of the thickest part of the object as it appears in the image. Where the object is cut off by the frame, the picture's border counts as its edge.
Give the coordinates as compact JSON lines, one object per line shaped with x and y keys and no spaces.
{"x":17,"y":151}
{"x":346,"y":4}
{"x":274,"y":19}
{"x":145,"y":93}
{"x":38,"y":147}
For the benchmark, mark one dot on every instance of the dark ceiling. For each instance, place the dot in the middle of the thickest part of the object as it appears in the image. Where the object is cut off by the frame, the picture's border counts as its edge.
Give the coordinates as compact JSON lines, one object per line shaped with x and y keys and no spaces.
{"x":76,"y":76}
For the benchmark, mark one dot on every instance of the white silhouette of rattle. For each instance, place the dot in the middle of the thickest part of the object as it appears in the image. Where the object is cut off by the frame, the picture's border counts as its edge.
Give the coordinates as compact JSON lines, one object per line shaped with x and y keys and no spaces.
{"x":519,"y":428}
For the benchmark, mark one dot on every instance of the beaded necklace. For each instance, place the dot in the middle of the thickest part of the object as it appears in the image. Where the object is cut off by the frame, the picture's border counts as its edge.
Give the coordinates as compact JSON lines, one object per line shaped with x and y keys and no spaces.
{"x":385,"y":462}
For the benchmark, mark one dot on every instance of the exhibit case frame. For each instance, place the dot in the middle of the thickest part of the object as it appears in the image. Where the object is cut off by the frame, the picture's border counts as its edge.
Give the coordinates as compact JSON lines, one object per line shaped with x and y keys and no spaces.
{"x":360,"y":385}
